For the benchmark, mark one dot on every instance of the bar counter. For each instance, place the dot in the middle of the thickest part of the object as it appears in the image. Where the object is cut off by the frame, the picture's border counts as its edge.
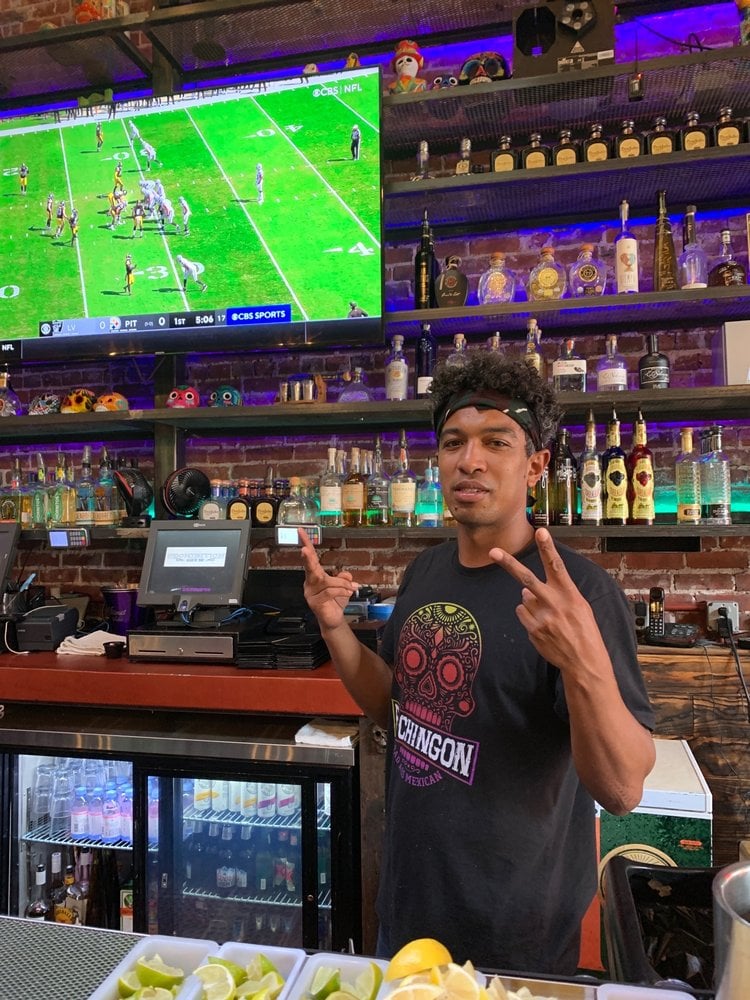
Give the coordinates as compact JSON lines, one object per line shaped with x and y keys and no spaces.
{"x":62,"y":679}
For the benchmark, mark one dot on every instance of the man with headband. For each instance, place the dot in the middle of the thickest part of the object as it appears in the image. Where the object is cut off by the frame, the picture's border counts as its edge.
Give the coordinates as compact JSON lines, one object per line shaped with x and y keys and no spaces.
{"x":510,"y":688}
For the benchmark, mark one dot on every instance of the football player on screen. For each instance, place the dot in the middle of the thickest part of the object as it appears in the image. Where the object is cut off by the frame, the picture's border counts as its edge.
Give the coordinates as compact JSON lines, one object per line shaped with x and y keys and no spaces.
{"x":134,"y":133}
{"x":23,"y":173}
{"x":186,"y":213}
{"x":190,"y":269}
{"x":99,"y":137}
{"x":259,"y":182}
{"x":118,"y":179}
{"x":49,"y":208}
{"x":138,"y":213}
{"x":356,"y":140}
{"x":73,"y":222}
{"x":150,"y":153}
{"x":61,"y":217}
{"x":129,"y":274}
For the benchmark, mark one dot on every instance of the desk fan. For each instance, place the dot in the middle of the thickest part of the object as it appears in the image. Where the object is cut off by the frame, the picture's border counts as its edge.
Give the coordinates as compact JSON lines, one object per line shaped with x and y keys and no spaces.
{"x":137,"y":493}
{"x":184,"y":491}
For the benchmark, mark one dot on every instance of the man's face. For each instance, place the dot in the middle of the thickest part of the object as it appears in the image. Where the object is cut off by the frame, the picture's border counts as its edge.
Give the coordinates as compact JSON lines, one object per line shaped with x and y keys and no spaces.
{"x":485,"y":471}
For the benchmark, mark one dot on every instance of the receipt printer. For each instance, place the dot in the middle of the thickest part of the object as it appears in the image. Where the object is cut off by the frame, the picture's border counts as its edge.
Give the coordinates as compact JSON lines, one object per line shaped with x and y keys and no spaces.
{"x":45,"y":628}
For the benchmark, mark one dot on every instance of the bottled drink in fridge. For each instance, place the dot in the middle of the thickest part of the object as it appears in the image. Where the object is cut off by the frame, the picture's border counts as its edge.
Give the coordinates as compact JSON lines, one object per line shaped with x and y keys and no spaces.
{"x":266,"y":799}
{"x":264,"y":866}
{"x":79,"y":814}
{"x":95,"y":804}
{"x":111,"y":821}
{"x":39,"y":906}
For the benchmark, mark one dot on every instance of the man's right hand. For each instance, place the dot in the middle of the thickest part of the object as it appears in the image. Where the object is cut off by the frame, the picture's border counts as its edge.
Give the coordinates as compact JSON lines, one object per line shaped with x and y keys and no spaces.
{"x":326,"y":595}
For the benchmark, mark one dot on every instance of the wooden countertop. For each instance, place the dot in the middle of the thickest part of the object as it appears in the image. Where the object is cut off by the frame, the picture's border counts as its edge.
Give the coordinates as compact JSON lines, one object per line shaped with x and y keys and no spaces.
{"x":94,"y":680}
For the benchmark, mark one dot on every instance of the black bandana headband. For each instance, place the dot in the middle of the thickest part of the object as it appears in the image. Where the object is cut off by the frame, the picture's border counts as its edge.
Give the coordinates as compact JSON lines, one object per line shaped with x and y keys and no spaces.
{"x":487,"y":399}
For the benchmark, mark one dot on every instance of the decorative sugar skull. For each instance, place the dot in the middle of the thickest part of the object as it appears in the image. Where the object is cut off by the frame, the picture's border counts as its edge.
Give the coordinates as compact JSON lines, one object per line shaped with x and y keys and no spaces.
{"x":46,"y":402}
{"x":111,"y":401}
{"x":484,"y":67}
{"x":183,"y":397}
{"x":225,"y":395}
{"x":78,"y":401}
{"x":406,"y":63}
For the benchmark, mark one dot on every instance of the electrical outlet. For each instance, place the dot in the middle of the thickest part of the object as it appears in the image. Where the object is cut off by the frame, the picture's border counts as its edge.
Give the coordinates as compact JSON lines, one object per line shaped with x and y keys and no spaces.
{"x":712,"y":614}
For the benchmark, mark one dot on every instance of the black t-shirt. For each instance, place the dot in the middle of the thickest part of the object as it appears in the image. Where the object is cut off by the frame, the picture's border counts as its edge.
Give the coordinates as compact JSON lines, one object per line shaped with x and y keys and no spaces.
{"x":490,"y":837}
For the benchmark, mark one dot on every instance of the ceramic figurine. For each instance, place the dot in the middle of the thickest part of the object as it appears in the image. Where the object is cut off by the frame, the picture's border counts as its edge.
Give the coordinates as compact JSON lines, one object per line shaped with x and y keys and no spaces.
{"x":443,"y":82}
{"x":352,"y":61}
{"x":406,"y":64}
{"x":111,"y":401}
{"x":46,"y":402}
{"x":183,"y":397}
{"x":78,"y":401}
{"x":225,"y":395}
{"x":484,"y":67}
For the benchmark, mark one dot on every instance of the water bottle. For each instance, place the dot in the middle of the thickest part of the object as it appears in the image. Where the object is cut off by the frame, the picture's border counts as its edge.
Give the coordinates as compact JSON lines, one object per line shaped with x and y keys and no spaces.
{"x":126,"y":813}
{"x":111,"y":817}
{"x":152,"y":826}
{"x":79,"y":814}
{"x":94,"y":803}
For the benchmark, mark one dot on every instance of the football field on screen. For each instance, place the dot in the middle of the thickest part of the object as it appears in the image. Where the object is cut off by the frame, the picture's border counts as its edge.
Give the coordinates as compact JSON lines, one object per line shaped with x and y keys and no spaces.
{"x":313,"y":241}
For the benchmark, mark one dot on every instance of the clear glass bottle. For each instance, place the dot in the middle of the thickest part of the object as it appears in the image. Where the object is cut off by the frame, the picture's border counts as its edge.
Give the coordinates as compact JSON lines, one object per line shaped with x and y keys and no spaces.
{"x":587,"y":276}
{"x":353,"y":494}
{"x":626,"y":255}
{"x":628,"y":143}
{"x":357,"y":390}
{"x":423,"y":162}
{"x":330,"y":493}
{"x":463,"y":166}
{"x":39,"y":495}
{"x":590,"y":477}
{"x":38,"y":906}
{"x":539,"y":515}
{"x":425,"y":356}
{"x":569,"y":369}
{"x":214,"y":507}
{"x":564,"y":505}
{"x":107,"y":504}
{"x":504,"y":158}
{"x":535,"y":154}
{"x":548,"y":279}
{"x":494,"y":343}
{"x":692,"y":264}
{"x":22,"y":494}
{"x":458,"y":357}
{"x":716,"y":482}
{"x":611,"y":369}
{"x":653,"y":366}
{"x":429,"y":506}
{"x":694,"y":135}
{"x":85,"y":491}
{"x":614,"y":476}
{"x":298,"y":507}
{"x":687,"y":480}
{"x":596,"y":147}
{"x":726,"y":271}
{"x":566,"y":151}
{"x":403,"y":494}
{"x":497,"y":283}
{"x":61,"y":502}
{"x":640,"y":466}
{"x":452,"y":286}
{"x":10,"y":404}
{"x":377,"y":503}
{"x":665,"y":258}
{"x":532,"y":355}
{"x":729,"y":131}
{"x":396,"y":371}
{"x":660,"y":139}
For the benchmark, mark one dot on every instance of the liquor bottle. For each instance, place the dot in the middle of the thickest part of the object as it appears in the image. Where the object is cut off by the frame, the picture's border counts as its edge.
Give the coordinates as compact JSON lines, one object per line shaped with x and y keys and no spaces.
{"x":726,"y":271}
{"x":425,"y":357}
{"x":403,"y":495}
{"x":39,"y":495}
{"x":665,"y":259}
{"x":693,"y":135}
{"x":463,"y":166}
{"x":548,"y":279}
{"x":504,"y":158}
{"x":10,"y":404}
{"x":264,"y":507}
{"x":239,"y":507}
{"x":653,"y":366}
{"x":64,"y":914}
{"x":330,"y":493}
{"x":569,"y":369}
{"x":614,"y":476}
{"x":612,"y":369}
{"x":687,"y":480}
{"x":540,"y":497}
{"x":76,"y":895}
{"x":564,"y":501}
{"x":596,"y":147}
{"x":353,"y":495}
{"x":85,"y":491}
{"x":566,"y":151}
{"x":56,"y":885}
{"x":39,"y":907}
{"x":532,"y":356}
{"x":429,"y":506}
{"x":587,"y":276}
{"x":377,"y":503}
{"x":245,"y":861}
{"x":106,"y":504}
{"x":494,"y":343}
{"x":297,"y":508}
{"x":626,"y":255}
{"x":692,"y":264}
{"x":424,"y":268}
{"x":628,"y":142}
{"x":497,"y":283}
{"x":660,"y":139}
{"x":396,"y":371}
{"x":640,"y":466}
{"x":535,"y":154}
{"x":452,"y":286}
{"x":96,"y":905}
{"x":61,"y":501}
{"x":458,"y":357}
{"x":423,"y":162}
{"x":225,"y":877}
{"x":357,"y":390}
{"x":716,"y":483}
{"x":214,"y":507}
{"x":729,"y":131}
{"x":264,"y":866}
{"x":590,"y":477}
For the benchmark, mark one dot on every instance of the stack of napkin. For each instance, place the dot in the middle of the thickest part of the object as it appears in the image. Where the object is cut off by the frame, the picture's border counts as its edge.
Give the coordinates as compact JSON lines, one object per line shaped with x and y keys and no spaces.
{"x":89,"y":645}
{"x":326,"y":733}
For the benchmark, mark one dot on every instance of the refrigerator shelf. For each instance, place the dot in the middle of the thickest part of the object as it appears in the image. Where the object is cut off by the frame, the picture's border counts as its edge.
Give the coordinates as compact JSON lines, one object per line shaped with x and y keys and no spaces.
{"x":291,"y":822}
{"x":43,"y":834}
{"x":279,"y":899}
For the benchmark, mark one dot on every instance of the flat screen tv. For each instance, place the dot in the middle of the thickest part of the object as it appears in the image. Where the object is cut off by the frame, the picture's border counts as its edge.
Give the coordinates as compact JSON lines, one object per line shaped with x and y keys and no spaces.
{"x":280,"y":245}
{"x":190,"y":565}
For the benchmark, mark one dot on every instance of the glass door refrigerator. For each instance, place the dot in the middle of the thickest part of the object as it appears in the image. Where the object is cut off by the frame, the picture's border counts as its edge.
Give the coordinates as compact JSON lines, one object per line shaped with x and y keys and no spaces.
{"x":208,"y":826}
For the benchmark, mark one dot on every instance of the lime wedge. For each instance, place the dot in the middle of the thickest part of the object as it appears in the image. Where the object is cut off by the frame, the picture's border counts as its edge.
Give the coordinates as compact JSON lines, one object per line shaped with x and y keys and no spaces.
{"x":128,"y":984}
{"x":155,"y":972}
{"x":325,"y":981}
{"x":368,"y":982}
{"x":217,"y":980}
{"x":237,"y":973}
{"x":259,"y":965}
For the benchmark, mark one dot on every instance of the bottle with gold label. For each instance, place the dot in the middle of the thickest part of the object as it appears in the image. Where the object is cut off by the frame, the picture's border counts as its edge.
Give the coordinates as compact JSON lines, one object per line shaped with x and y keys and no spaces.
{"x":614,"y":476}
{"x":497,"y":284}
{"x":403,"y":493}
{"x":504,"y":158}
{"x":590,"y":477}
{"x":660,"y":139}
{"x":264,"y":508}
{"x":548,"y":279}
{"x":353,"y":495}
{"x":687,"y":480}
{"x":238,"y":509}
{"x":640,"y":467}
{"x":587,"y":276}
{"x":532,"y":355}
{"x":535,"y":155}
{"x":693,"y":135}
{"x":729,"y":131}
{"x":665,"y":258}
{"x":330,"y":493}
{"x":596,"y":147}
{"x":452,"y":286}
{"x":566,"y":151}
{"x":628,"y":142}
{"x":726,"y":271}
{"x":464,"y":162}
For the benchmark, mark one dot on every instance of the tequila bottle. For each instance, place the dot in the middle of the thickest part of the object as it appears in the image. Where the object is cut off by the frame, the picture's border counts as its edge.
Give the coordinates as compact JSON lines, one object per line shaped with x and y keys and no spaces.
{"x":106,"y":504}
{"x":665,"y":259}
{"x":687,"y":480}
{"x":614,"y":476}
{"x":540,"y":506}
{"x":596,"y":147}
{"x":569,"y":369}
{"x":726,"y":271}
{"x":214,"y":507}
{"x":660,"y":139}
{"x":628,"y":142}
{"x":429,"y":508}
{"x":532,"y":355}
{"x":728,"y":131}
{"x":535,"y":154}
{"x":497,"y":284}
{"x":494,"y":343}
{"x":716,"y":483}
{"x":566,"y":151}
{"x":425,"y":356}
{"x":640,"y":467}
{"x":694,"y":135}
{"x":353,"y":495}
{"x":330,"y":493}
{"x":452,"y":286}
{"x":464,"y":162}
{"x":298,"y":507}
{"x":612,"y":369}
{"x":653,"y":366}
{"x":61,"y":504}
{"x":626,"y":255}
{"x":39,"y":496}
{"x":458,"y":357}
{"x":403,"y":495}
{"x":564,"y":481}
{"x":504,"y":157}
{"x":39,"y":906}
{"x":587,"y":276}
{"x":10,"y":404}
{"x":357,"y":391}
{"x":547,"y":279}
{"x":396,"y":371}
{"x":590,"y":477}
{"x":692,"y":264}
{"x":423,"y":162}
{"x":377,"y":490}
{"x":424,"y":268}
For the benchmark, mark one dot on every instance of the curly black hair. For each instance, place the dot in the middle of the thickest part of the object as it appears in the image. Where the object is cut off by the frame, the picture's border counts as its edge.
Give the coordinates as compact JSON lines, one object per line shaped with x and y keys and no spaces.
{"x":510,"y":376}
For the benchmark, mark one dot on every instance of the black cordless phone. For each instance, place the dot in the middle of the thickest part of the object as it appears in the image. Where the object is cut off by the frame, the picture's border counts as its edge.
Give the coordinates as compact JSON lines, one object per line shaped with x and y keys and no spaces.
{"x":655,"y":613}
{"x":659,"y":634}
